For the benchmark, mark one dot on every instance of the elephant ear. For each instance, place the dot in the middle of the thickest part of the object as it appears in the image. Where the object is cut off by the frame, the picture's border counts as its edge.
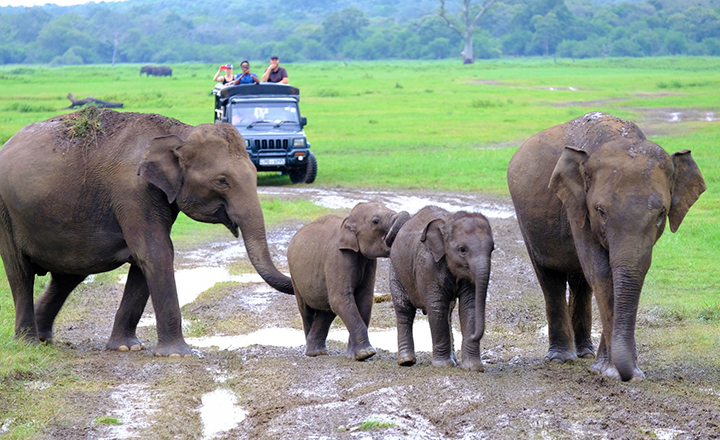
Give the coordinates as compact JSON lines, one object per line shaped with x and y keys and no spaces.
{"x":161,"y":165}
{"x":687,"y":186}
{"x":568,"y":182}
{"x":348,"y":235}
{"x":434,"y":238}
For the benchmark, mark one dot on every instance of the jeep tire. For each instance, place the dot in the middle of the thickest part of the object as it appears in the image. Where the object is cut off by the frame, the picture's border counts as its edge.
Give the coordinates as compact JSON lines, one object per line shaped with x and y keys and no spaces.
{"x":305,"y":174}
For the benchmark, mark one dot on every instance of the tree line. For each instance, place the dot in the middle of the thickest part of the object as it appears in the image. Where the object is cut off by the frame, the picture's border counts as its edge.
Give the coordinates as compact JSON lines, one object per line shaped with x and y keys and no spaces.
{"x":165,"y":31}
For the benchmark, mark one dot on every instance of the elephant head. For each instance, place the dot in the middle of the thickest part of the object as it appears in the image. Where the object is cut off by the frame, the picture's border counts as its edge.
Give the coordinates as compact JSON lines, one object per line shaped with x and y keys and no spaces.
{"x":371,"y":229}
{"x":466,"y":242}
{"x":618,"y":200}
{"x":211,"y":179}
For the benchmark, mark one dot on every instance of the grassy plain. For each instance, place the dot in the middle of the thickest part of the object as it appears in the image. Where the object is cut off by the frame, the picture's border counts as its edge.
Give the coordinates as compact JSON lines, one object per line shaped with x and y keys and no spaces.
{"x":435,"y":125}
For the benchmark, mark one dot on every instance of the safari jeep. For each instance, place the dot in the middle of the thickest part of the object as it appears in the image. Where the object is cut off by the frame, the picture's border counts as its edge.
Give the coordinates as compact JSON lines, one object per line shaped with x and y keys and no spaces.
{"x":267,"y":115}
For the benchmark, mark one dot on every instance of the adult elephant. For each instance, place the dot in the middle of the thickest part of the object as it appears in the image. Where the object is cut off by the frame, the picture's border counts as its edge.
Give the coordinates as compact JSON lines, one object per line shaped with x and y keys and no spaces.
{"x":592,"y":197}
{"x":76,"y":205}
{"x":332,"y":263}
{"x":156,"y":71}
{"x":438,"y":258}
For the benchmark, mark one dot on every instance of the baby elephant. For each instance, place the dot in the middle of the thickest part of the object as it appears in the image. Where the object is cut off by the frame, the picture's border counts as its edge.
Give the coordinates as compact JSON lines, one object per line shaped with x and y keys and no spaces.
{"x":332,"y":265}
{"x":439,"y":257}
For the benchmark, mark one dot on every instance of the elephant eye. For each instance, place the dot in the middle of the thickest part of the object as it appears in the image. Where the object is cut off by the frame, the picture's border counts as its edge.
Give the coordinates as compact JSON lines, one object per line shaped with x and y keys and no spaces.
{"x":223,"y":181}
{"x":661,"y":217}
{"x":376,"y":221}
{"x":462,"y":250}
{"x":601,"y":212}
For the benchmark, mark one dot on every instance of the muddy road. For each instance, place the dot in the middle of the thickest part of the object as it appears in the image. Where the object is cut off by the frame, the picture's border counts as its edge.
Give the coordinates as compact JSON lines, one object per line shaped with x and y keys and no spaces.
{"x":251,"y":379}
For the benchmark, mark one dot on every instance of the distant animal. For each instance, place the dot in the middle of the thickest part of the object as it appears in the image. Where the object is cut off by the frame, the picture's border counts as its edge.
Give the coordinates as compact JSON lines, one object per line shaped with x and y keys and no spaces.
{"x":439,"y":258}
{"x":332,"y":265}
{"x":76,"y":205}
{"x":592,"y":197}
{"x":156,"y":71}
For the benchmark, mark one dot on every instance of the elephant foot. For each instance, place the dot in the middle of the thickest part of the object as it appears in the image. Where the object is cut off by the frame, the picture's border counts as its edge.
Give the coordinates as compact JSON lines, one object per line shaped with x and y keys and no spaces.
{"x":472,"y":365}
{"x":45,"y":337}
{"x":316,"y":352}
{"x":586,"y":353}
{"x":362,"y":353}
{"x":445,"y":362}
{"x":406,"y":359}
{"x":125,"y":344}
{"x":585,"y":349}
{"x":177,"y":349}
{"x":607,"y":369}
{"x":560,"y":355}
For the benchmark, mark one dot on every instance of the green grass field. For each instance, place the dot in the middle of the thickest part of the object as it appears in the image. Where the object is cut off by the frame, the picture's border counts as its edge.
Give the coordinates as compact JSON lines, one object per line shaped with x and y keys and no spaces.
{"x":436,"y":125}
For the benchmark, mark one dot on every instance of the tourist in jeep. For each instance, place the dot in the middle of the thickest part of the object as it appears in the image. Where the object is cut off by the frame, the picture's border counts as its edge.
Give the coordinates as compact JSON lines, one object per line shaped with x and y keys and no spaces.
{"x":246,"y":77}
{"x":225,"y":74}
{"x":274,"y":73}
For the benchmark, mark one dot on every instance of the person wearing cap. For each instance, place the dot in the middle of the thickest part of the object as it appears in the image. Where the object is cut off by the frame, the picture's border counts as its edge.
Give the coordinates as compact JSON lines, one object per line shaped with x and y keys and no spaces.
{"x":274,"y":73}
{"x":227,"y":69}
{"x":246,"y":77}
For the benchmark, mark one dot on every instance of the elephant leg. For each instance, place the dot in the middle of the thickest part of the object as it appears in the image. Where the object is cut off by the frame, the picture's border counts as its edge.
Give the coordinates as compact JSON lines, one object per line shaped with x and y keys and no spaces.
{"x":52,"y":299}
{"x":316,"y":339}
{"x":441,"y":331}
{"x":21,"y":279}
{"x":344,"y":305}
{"x":132,"y":306}
{"x":405,"y":316}
{"x":581,"y":315}
{"x":553,"y":284}
{"x":471,"y":359}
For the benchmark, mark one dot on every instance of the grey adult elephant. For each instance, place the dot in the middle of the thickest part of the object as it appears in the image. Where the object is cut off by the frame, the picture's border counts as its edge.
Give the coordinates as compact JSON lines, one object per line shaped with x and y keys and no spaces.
{"x":76,"y":205}
{"x":156,"y":71}
{"x":592,"y":197}
{"x":437,"y":258}
{"x":332,"y":264}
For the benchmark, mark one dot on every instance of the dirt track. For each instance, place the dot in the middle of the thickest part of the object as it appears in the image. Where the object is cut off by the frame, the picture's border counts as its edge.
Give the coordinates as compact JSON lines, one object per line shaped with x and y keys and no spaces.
{"x":270,"y":390}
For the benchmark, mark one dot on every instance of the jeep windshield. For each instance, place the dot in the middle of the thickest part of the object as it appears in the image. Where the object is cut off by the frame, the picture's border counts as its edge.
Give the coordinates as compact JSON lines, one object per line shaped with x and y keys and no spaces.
{"x":251,"y":114}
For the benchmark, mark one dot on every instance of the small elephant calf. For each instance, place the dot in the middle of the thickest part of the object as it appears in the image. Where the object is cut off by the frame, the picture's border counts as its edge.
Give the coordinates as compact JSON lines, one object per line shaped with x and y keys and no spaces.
{"x":438,"y":257}
{"x":332,"y":265}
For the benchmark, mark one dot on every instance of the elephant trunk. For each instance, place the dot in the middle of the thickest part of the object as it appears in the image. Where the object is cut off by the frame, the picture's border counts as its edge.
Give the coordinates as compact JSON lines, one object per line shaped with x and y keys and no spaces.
{"x":482,"y":278}
{"x":627,"y":285}
{"x":253,"y":232}
{"x":398,"y":221}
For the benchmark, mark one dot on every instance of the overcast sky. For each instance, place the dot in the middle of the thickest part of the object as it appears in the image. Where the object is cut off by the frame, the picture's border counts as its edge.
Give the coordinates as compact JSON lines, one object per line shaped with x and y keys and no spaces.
{"x":42,"y":2}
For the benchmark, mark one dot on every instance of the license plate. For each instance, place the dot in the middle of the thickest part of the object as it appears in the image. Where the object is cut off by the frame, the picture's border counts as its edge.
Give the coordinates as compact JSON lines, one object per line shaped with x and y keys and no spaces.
{"x":266,"y":162}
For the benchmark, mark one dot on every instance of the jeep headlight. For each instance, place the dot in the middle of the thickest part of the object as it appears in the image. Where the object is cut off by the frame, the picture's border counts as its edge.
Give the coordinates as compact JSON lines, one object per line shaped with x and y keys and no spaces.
{"x":247,"y":143}
{"x":299,"y":142}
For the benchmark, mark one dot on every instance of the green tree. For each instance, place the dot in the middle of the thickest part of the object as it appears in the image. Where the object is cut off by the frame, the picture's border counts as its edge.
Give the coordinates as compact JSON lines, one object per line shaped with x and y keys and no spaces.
{"x":465,"y":25}
{"x":343,"y":25}
{"x":548,"y":31}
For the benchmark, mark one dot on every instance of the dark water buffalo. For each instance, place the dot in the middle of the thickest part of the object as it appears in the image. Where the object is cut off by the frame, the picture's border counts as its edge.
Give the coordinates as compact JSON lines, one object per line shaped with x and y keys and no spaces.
{"x":156,"y":70}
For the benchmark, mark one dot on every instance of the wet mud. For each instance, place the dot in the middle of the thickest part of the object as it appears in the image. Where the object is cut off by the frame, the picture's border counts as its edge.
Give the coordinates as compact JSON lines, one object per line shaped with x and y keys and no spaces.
{"x":251,"y":379}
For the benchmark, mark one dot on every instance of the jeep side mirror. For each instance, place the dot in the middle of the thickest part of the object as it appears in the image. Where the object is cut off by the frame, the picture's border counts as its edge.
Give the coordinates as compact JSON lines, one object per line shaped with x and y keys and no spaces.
{"x":303,"y":121}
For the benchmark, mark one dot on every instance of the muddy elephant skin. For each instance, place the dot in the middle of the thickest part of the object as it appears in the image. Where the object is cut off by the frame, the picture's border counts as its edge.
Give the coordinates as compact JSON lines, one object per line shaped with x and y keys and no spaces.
{"x":332,"y":265}
{"x":439,"y":258}
{"x":592,"y":197}
{"x":75,"y":206}
{"x":156,"y":71}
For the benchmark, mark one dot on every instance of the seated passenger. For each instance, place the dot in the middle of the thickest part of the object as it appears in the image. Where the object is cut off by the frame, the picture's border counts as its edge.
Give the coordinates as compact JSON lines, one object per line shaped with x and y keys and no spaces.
{"x":246,"y":77}
{"x":274,"y":73}
{"x":227,"y":77}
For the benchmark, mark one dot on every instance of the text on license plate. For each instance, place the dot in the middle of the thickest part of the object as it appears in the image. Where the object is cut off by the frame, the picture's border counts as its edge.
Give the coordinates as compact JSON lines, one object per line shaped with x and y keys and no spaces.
{"x":280,"y":161}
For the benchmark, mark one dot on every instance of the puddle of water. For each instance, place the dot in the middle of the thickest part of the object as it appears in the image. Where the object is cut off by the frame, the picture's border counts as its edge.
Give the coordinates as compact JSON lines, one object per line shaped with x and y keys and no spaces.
{"x":667,"y":434}
{"x":192,"y":282}
{"x":397,"y":202}
{"x":136,"y":406}
{"x":219,"y":412}
{"x":385,"y":339}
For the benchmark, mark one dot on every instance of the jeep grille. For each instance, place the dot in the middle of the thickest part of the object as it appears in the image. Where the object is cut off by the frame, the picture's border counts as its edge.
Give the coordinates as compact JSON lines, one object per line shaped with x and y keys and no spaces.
{"x":271,"y":144}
